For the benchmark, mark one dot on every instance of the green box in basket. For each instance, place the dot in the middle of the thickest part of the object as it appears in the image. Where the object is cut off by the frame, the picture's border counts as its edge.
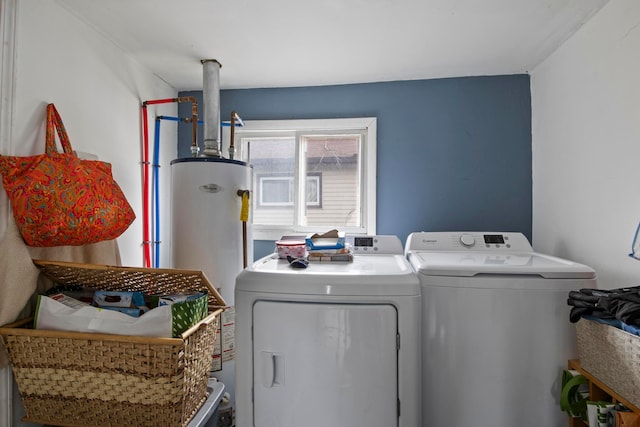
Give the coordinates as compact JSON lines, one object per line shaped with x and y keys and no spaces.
{"x":186,"y":310}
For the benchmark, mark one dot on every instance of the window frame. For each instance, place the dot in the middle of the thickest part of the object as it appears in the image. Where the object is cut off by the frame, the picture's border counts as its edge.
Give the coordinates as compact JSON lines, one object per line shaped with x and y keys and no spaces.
{"x":317,"y":177}
{"x":259,"y":192}
{"x":300,"y":127}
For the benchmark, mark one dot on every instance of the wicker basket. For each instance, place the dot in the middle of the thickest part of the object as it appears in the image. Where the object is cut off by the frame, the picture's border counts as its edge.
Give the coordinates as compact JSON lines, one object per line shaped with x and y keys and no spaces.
{"x":612,"y":356}
{"x":85,"y":379}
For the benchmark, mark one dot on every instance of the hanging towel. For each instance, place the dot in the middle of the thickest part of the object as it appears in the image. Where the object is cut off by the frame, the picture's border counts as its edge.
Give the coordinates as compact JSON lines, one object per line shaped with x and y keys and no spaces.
{"x":19,"y":277}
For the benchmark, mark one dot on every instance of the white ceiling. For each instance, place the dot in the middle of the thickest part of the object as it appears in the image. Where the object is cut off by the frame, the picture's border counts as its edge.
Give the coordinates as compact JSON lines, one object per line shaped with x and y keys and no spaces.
{"x":282,"y":43}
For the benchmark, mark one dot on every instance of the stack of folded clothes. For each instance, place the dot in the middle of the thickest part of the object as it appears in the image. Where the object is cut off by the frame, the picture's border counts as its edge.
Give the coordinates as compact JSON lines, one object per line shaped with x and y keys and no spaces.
{"x":328,"y":247}
{"x":331,"y":255}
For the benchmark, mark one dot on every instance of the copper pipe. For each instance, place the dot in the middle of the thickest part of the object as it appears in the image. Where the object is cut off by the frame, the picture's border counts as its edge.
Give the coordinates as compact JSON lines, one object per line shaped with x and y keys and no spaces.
{"x":194,"y":120}
{"x":232,"y":142}
{"x":244,"y":244}
{"x":241,"y":193}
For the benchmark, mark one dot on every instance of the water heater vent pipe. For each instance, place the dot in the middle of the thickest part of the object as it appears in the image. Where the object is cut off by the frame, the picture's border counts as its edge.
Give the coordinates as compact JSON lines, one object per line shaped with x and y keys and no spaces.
{"x":211,"y":101}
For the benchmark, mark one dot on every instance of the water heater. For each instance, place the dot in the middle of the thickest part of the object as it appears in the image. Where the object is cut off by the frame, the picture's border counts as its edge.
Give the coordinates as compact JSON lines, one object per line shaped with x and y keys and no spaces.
{"x":207,"y":234}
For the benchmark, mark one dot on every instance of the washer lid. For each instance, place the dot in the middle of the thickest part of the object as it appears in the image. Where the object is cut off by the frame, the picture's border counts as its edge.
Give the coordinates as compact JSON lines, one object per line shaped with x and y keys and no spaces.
{"x":469,"y":264}
{"x":370,"y":275}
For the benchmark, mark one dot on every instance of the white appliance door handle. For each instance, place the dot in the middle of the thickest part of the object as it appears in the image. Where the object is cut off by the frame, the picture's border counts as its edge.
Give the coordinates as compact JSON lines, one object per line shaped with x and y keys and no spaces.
{"x":272,"y":369}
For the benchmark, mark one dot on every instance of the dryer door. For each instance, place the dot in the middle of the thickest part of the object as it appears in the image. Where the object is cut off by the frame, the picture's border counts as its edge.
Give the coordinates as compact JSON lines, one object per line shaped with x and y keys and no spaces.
{"x":318,"y":365}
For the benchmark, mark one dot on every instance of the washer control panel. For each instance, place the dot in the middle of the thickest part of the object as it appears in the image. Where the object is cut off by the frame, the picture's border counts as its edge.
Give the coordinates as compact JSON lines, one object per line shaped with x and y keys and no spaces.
{"x":488,"y":241}
{"x":473,"y":241}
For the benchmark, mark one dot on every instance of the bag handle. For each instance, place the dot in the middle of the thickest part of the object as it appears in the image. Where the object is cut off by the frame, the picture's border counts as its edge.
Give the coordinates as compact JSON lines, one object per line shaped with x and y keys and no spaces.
{"x":54,"y":122}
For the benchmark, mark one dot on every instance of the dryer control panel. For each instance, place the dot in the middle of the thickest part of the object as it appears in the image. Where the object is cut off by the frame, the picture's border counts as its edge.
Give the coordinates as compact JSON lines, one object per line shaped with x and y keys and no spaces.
{"x":375,"y":245}
{"x":468,"y":241}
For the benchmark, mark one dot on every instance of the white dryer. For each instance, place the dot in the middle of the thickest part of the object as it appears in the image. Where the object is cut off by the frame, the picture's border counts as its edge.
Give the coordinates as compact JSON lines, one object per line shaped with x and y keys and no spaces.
{"x":496,"y":330}
{"x":335,"y":344}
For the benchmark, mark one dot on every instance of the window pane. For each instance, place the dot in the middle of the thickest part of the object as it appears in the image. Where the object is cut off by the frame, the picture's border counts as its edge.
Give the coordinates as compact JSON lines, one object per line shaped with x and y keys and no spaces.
{"x":273,"y":161}
{"x":313,"y":190}
{"x":337,"y":159}
{"x":276,"y":191}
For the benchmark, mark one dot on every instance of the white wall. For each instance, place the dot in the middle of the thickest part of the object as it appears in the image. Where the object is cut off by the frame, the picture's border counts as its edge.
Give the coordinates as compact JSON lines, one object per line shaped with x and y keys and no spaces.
{"x":98,"y":90}
{"x":586,"y":146}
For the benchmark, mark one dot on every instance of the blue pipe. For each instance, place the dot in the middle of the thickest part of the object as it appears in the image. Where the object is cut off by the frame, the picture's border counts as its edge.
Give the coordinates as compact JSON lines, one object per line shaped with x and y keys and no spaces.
{"x":177,"y":119}
{"x":156,"y":185}
{"x":156,"y":193}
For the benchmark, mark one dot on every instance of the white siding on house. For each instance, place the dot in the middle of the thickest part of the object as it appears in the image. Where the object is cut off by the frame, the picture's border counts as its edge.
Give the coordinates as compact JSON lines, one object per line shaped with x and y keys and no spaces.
{"x":339,"y":202}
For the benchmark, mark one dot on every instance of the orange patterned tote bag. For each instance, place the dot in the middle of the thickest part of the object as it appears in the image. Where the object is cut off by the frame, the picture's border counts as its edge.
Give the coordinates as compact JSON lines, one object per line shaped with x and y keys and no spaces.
{"x":59,"y":199}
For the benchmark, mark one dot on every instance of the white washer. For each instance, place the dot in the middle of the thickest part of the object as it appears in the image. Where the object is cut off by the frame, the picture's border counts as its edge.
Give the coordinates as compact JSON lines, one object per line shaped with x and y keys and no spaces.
{"x":335,"y":344}
{"x":496,"y":330}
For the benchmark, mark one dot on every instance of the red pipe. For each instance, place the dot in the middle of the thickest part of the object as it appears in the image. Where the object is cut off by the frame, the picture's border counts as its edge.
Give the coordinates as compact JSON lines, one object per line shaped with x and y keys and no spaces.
{"x":146,"y":214}
{"x":146,"y":241}
{"x":161,"y":101}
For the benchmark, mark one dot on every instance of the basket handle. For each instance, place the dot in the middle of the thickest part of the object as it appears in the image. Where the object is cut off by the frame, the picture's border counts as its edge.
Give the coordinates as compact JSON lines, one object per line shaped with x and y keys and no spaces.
{"x":204,"y":323}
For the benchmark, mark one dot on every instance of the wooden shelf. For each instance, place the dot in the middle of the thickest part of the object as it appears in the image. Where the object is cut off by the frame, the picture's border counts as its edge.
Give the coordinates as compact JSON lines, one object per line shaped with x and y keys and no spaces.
{"x":598,"y":391}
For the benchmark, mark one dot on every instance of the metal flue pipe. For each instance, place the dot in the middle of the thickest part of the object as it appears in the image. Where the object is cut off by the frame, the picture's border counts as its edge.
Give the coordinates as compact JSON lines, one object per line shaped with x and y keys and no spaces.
{"x":232,"y":138}
{"x":211,"y":101}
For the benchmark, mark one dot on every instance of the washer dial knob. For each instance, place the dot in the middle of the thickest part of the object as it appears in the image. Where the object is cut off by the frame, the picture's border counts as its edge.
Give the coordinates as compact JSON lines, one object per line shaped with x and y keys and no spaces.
{"x":467,"y":240}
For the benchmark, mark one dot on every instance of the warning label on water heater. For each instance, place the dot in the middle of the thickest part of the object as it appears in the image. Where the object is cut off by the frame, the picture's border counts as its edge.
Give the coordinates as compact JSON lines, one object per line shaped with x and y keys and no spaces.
{"x":224,"y":348}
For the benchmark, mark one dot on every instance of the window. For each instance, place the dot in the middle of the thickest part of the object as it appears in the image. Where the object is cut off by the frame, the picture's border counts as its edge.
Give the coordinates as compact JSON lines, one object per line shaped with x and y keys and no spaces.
{"x":310,"y":175}
{"x":278,"y":190}
{"x":275,"y":191}
{"x":313,"y":190}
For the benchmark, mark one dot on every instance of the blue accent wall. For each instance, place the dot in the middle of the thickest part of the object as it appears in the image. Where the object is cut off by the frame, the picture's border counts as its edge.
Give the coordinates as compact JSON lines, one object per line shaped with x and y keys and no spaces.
{"x":454,"y":154}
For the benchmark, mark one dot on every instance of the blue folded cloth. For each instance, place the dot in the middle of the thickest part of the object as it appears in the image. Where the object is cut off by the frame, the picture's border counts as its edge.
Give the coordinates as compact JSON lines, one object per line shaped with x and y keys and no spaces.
{"x":615,"y":323}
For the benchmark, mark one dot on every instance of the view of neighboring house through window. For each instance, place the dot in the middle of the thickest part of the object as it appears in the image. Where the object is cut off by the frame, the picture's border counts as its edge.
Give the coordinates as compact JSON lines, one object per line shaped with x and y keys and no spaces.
{"x":310,"y":175}
{"x":278,"y":190}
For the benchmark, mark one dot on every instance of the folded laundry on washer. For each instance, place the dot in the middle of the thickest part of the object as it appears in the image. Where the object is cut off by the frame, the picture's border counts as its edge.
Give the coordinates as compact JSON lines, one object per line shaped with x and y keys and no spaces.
{"x":320,"y":257}
{"x":328,"y":247}
{"x":622,"y":304}
{"x":331,"y":255}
